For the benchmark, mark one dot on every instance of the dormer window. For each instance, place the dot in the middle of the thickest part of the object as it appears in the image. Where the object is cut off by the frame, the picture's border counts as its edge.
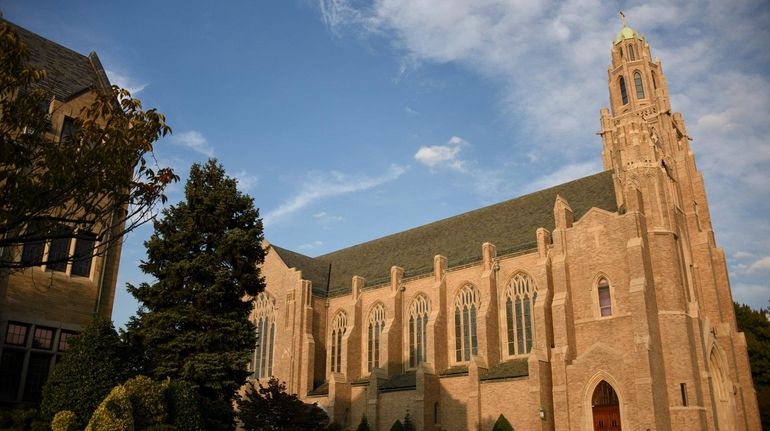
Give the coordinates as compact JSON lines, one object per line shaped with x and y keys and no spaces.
{"x":623,"y":92}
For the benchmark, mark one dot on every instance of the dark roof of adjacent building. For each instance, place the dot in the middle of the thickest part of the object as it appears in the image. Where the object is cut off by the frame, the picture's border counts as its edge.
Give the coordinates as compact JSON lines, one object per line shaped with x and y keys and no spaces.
{"x":511,"y":226}
{"x":68,"y":73}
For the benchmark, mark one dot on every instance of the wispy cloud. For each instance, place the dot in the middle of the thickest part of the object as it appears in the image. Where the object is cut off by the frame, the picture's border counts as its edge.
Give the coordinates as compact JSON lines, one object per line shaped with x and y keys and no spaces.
{"x":321,"y":186}
{"x":563,"y":174}
{"x":124,"y":81}
{"x":411,"y":111}
{"x":195,"y":141}
{"x":246,"y":181}
{"x":759,"y":265}
{"x":438,"y":156}
{"x":548,"y":59}
{"x":310,"y":245}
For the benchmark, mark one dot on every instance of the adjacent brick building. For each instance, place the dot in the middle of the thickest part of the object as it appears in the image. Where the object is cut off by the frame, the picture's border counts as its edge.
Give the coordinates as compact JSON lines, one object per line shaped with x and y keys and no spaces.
{"x":42,"y":306}
{"x":602,"y":303}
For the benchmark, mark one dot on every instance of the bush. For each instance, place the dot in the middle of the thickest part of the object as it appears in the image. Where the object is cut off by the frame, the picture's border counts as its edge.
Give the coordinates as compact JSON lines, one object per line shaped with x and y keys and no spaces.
{"x":86,"y":374}
{"x":64,"y":421}
{"x":397,"y":426}
{"x":182,"y":405}
{"x":114,"y":413}
{"x":270,"y":407}
{"x":21,"y":418}
{"x":147,"y":401}
{"x":502,"y":424}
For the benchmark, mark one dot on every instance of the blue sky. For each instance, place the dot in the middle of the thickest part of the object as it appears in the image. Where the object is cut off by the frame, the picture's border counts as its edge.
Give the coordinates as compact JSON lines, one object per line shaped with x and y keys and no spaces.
{"x":350,"y":120}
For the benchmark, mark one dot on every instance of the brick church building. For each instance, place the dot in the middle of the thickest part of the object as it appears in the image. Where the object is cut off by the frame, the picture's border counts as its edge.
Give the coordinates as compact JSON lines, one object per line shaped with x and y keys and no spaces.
{"x":603,"y":303}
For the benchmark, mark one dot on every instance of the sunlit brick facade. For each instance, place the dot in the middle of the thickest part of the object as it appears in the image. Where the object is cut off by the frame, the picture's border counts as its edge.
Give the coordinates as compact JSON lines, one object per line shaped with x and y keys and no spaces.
{"x":603,"y":303}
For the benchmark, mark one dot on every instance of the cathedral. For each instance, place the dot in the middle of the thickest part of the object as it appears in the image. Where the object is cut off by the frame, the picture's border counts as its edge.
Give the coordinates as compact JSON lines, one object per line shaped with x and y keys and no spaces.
{"x":599,"y":304}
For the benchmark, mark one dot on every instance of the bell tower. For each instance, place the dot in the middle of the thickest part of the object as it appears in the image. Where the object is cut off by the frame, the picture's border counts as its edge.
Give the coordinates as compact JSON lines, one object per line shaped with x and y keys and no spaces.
{"x":647,"y":147}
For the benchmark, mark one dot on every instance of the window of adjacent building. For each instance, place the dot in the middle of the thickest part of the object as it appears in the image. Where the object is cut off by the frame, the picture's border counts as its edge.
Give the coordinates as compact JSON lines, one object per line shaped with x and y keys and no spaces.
{"x":65,"y":338}
{"x":418,"y":334}
{"x":59,"y":253}
{"x":466,"y":306}
{"x":520,"y":296}
{"x":376,"y":323}
{"x":339,"y":326}
{"x":605,"y":299}
{"x":16,"y":334}
{"x":623,"y":92}
{"x":26,"y":359}
{"x":638,"y":85}
{"x":264,"y":321}
{"x":68,"y":129}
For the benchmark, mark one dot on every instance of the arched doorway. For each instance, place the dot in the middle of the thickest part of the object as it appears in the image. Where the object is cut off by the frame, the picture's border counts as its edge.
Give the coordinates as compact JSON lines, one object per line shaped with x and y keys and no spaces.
{"x":606,"y":408}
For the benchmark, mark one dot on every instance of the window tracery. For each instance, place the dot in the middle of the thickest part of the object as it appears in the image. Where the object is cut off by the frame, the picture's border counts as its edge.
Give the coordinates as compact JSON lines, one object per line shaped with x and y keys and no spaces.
{"x":339,"y":326}
{"x":466,"y":307}
{"x":264,"y":320}
{"x":520,"y":296}
{"x":376,"y":323}
{"x":417,"y":330}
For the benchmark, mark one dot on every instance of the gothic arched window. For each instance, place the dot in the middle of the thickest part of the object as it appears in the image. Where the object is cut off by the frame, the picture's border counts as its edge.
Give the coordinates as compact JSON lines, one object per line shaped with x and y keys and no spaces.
{"x":520,"y":298}
{"x":466,"y":307}
{"x":638,"y":84}
{"x":418,"y":334}
{"x":605,"y":298}
{"x":631,"y":55}
{"x":623,"y":92}
{"x":339,"y":325}
{"x":264,"y":320}
{"x":376,"y":323}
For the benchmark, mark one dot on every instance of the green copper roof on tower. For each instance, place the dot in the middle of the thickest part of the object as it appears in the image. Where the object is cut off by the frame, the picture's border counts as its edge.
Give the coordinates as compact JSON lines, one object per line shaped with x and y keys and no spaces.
{"x":627,"y":33}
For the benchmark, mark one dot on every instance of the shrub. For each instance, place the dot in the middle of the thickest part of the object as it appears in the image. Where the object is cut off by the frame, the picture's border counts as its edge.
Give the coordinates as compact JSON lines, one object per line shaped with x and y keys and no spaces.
{"x":114,"y":413}
{"x":272,"y":408}
{"x":63,"y":421}
{"x":502,"y":424}
{"x":21,"y":418}
{"x":182,"y":405}
{"x":147,"y":401}
{"x":397,"y":426}
{"x":86,"y":373}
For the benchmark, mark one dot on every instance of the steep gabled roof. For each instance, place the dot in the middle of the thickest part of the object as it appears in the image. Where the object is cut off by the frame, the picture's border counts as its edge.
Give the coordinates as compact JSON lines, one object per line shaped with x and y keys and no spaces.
{"x":509,"y":225}
{"x":68,"y":73}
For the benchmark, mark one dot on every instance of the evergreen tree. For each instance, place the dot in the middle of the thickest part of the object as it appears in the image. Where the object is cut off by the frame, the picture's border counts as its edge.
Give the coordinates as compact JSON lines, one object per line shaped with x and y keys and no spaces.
{"x":269,"y":408}
{"x":408,"y":425}
{"x":85,"y":375}
{"x":364,"y":425}
{"x":502,"y":424}
{"x":756,"y":328}
{"x":193,"y":321}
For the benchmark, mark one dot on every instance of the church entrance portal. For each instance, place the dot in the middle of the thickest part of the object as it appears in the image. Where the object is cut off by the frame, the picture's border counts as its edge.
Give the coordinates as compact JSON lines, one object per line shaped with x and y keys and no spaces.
{"x":606,"y":408}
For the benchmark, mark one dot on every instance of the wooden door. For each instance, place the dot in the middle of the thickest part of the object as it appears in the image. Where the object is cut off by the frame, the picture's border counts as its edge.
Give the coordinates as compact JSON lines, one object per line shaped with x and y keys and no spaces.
{"x":606,"y":408}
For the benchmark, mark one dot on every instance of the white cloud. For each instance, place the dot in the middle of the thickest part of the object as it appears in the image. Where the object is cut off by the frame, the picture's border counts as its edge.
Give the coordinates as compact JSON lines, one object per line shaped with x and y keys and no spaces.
{"x":437,"y":156}
{"x":320,"y":186}
{"x":754,"y":295}
{"x":411,"y":111}
{"x":759,"y":265}
{"x":195,"y":141}
{"x":742,"y":254}
{"x":310,"y":245}
{"x":246,"y":181}
{"x":563,"y":174}
{"x":124,"y":81}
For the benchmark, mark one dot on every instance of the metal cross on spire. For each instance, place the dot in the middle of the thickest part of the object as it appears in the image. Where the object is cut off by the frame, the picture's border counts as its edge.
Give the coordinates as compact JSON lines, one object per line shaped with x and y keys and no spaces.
{"x":623,"y":18}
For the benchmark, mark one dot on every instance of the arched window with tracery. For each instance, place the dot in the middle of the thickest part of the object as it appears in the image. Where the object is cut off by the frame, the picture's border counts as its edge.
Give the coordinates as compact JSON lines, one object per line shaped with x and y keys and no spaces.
{"x":520,"y":296}
{"x":623,"y":92}
{"x":631,"y":53}
{"x":264,"y":320}
{"x":466,"y":307}
{"x":376,"y":323}
{"x":639,"y":86}
{"x":418,"y":333}
{"x":339,"y":326}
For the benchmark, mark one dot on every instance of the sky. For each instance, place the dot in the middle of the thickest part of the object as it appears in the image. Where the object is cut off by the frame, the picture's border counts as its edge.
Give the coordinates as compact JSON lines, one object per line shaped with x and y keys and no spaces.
{"x":350,"y":120}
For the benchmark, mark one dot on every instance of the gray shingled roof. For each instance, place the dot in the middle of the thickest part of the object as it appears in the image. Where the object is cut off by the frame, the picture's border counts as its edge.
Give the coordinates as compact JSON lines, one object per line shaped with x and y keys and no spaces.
{"x":509,"y":225}
{"x":400,"y":382}
{"x":68,"y":72}
{"x":507,"y":370}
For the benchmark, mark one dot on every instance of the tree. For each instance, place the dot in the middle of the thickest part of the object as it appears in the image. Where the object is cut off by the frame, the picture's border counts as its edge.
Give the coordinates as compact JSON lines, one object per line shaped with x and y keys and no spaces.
{"x":364,"y":425}
{"x":94,"y":364}
{"x":756,"y":328}
{"x":268,"y":408}
{"x":502,"y":424}
{"x":97,"y":180}
{"x":193,"y":321}
{"x":408,"y":425}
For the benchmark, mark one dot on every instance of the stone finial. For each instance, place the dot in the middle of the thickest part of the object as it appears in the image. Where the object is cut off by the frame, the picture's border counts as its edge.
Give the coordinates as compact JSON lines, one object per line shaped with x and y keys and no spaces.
{"x":439,"y":267}
{"x":488,"y":253}
{"x":543,"y":240}
{"x":396,"y":276}
{"x":562,"y":213}
{"x":358,"y":284}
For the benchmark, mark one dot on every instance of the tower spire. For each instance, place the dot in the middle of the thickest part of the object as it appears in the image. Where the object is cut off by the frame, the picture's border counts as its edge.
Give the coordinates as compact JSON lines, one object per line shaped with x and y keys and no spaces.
{"x":623,"y":18}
